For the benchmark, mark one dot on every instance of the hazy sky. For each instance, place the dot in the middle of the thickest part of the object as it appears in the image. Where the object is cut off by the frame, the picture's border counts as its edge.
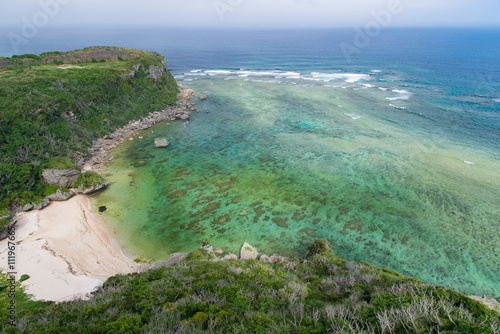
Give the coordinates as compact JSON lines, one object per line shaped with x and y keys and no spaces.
{"x":251,"y":13}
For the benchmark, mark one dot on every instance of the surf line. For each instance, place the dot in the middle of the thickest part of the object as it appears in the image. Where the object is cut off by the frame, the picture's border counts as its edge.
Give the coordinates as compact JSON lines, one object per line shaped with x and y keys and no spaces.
{"x":113,"y":242}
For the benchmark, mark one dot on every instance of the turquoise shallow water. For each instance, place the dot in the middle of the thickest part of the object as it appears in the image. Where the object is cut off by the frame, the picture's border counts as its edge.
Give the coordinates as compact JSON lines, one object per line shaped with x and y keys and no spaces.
{"x":280,"y":162}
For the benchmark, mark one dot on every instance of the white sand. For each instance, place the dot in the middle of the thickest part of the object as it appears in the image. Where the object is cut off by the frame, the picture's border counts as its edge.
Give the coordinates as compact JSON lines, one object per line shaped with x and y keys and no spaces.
{"x":65,"y":253}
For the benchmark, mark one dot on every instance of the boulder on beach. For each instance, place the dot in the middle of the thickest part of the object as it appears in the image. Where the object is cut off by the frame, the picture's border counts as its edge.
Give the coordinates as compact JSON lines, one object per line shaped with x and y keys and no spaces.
{"x":6,"y":220}
{"x":61,"y":195}
{"x":161,"y":142}
{"x":62,"y":177}
{"x":39,"y":205}
{"x":248,"y":252}
{"x":89,"y":182}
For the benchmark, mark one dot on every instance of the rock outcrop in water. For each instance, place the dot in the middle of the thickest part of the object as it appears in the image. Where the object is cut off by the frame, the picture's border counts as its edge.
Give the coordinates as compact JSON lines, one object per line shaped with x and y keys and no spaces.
{"x":98,"y":153}
{"x":161,"y":142}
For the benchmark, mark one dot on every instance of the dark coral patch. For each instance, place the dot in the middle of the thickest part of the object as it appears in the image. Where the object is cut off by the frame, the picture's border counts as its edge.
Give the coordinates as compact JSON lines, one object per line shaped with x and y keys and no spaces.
{"x":280,"y":221}
{"x":354,"y":225}
{"x":178,"y":193}
{"x":236,"y":199}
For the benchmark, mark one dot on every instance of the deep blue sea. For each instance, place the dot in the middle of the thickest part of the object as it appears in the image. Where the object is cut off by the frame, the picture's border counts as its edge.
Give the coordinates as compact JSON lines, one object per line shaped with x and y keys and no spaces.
{"x":391,"y":152}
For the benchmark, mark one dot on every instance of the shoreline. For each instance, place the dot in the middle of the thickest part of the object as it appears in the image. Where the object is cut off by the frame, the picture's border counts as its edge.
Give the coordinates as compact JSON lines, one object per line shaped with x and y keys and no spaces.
{"x":66,"y":253}
{"x":64,"y":248}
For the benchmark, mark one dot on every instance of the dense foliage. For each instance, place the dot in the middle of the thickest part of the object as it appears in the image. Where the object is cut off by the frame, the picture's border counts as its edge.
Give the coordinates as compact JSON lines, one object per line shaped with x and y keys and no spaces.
{"x":52,"y":111}
{"x":320,"y":294}
{"x":87,"y":180}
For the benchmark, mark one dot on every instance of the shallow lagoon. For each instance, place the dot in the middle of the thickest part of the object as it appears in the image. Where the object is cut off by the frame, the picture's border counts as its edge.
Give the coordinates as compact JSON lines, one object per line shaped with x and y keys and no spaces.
{"x":280,"y":164}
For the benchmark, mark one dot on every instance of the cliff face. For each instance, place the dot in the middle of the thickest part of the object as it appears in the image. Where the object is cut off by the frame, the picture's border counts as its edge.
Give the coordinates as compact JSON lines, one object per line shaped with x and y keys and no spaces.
{"x":57,"y":103}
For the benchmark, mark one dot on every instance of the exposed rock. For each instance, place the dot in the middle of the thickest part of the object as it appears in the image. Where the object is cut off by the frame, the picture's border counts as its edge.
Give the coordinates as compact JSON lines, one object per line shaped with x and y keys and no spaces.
{"x":208,"y":248}
{"x":264,"y":258}
{"x":62,"y":177}
{"x":42,"y":204}
{"x":102,"y":208}
{"x":161,"y":142}
{"x":218,"y":251}
{"x":491,"y":303}
{"x":248,"y":252}
{"x":92,"y":189}
{"x":230,"y":256}
{"x":203,"y":97}
{"x":156,"y":72}
{"x":26,"y":207}
{"x":61,"y":195}
{"x":172,"y":259}
{"x":7,"y":221}
{"x":89,"y":182}
{"x":276,"y":258}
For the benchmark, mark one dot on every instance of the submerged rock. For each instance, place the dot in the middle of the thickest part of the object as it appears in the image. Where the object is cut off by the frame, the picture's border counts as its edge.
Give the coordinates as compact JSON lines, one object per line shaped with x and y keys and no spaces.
{"x":248,"y":252}
{"x":161,"y":142}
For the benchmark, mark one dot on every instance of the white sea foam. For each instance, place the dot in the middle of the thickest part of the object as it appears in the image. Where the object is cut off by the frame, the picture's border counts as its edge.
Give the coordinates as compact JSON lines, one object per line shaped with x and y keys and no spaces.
{"x":469,"y":162}
{"x":368,"y":85}
{"x":383,"y":88}
{"x":353,"y":116}
{"x":397,"y":107}
{"x":497,"y":100}
{"x":278,"y":74}
{"x":402,"y":95}
{"x":375,"y":71}
{"x":219,"y":72}
{"x":347,"y":77}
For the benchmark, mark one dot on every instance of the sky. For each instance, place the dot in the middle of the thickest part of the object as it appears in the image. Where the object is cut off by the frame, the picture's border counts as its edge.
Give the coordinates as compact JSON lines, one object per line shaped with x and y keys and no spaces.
{"x":251,"y":13}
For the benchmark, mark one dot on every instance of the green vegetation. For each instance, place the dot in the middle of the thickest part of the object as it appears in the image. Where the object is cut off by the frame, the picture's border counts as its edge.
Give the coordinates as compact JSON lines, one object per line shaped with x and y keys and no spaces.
{"x":24,"y":277}
{"x":320,"y":294}
{"x":87,"y":180}
{"x":5,"y":218}
{"x":50,"y":114}
{"x":53,"y":188}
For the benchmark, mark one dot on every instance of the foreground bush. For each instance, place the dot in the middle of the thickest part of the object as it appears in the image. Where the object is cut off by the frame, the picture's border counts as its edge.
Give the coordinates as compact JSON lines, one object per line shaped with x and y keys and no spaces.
{"x":320,"y":294}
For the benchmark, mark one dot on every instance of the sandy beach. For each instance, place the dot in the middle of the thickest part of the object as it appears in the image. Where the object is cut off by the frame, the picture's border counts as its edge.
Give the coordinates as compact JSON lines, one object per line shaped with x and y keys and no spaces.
{"x":66,"y":253}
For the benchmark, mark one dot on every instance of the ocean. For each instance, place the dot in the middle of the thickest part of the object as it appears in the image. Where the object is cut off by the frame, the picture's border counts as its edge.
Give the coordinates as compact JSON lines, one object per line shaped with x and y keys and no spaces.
{"x":390,"y":151}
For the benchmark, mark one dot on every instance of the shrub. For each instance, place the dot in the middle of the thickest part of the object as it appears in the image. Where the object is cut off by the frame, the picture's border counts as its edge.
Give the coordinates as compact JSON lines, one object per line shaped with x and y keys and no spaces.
{"x":59,"y":163}
{"x":125,"y":325}
{"x":93,"y":60}
{"x":87,"y":180}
